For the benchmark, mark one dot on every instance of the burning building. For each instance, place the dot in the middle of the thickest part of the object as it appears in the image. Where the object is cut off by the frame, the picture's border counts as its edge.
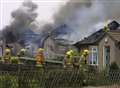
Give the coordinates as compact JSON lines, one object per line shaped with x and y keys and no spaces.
{"x":56,"y":44}
{"x":70,"y":25}
{"x":103,"y":46}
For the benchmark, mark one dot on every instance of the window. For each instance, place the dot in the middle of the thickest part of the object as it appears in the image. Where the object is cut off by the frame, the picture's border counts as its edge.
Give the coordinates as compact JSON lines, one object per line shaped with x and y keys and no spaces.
{"x":106,"y":56}
{"x":93,"y":56}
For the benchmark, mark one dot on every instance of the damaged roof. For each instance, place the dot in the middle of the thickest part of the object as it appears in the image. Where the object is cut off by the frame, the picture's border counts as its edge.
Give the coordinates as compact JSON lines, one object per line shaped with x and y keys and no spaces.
{"x":97,"y":36}
{"x":92,"y":39}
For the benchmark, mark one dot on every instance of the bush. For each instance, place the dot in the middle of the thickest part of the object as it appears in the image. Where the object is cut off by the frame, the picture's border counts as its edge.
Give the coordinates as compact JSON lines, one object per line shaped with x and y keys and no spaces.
{"x":114,"y":66}
{"x":14,"y":60}
{"x":8,"y":81}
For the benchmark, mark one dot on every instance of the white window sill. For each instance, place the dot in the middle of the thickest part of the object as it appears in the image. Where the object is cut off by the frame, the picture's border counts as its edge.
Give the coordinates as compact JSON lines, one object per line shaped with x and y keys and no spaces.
{"x":93,"y":64}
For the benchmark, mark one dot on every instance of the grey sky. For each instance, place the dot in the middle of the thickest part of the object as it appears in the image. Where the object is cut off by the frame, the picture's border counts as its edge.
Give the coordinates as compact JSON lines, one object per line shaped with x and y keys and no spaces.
{"x":46,"y":10}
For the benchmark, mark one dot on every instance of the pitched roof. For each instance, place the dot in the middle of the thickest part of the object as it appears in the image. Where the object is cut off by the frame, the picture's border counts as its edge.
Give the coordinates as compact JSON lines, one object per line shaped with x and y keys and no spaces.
{"x":97,"y":36}
{"x":114,"y":33}
{"x":92,"y":39}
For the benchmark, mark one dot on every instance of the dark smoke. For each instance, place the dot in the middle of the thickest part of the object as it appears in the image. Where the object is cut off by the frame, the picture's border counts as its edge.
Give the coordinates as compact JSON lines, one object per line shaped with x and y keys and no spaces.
{"x":87,"y":16}
{"x":22,"y":19}
{"x":82,"y":17}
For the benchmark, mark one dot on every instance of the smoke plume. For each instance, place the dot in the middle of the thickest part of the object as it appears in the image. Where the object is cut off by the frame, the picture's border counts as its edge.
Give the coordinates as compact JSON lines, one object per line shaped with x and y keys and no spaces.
{"x":87,"y":16}
{"x":22,"y":19}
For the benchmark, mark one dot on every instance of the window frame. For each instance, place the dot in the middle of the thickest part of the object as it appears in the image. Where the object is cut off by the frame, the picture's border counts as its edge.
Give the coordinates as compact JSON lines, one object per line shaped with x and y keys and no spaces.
{"x":91,"y":55}
{"x":104,"y":60}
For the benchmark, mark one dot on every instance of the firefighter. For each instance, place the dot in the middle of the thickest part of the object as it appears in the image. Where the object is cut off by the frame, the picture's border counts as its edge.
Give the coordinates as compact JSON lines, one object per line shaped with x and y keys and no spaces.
{"x":83,"y":60}
{"x":84,"y":56}
{"x":40,"y":57}
{"x":68,"y":60}
{"x":7,"y":56}
{"x":85,"y":53}
{"x":21,"y":53}
{"x":106,"y":28}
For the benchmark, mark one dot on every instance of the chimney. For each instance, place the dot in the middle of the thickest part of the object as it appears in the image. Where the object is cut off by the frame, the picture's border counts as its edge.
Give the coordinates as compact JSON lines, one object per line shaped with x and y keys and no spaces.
{"x":113,"y":25}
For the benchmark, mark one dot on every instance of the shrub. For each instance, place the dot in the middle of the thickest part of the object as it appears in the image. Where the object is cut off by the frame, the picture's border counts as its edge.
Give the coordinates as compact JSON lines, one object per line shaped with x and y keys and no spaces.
{"x":14,"y":60}
{"x":114,"y":66}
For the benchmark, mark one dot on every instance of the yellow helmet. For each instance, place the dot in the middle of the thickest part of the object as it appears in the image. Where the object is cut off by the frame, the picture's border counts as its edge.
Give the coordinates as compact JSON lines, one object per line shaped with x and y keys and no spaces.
{"x":86,"y":51}
{"x":70,"y":53}
{"x":40,"y":50}
{"x":7,"y":50}
{"x":23,"y":50}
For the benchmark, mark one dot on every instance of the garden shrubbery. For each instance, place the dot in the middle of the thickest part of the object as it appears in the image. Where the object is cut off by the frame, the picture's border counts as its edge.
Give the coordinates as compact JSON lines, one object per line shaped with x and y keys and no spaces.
{"x":14,"y":60}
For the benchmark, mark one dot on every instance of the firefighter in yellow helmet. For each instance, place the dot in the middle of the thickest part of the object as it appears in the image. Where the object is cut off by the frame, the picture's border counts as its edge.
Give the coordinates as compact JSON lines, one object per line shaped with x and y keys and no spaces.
{"x":106,"y":28}
{"x":84,"y":56}
{"x":83,"y":60}
{"x":7,"y":56}
{"x":40,"y":57}
{"x":85,"y":53}
{"x":68,"y":60}
{"x":22,"y":52}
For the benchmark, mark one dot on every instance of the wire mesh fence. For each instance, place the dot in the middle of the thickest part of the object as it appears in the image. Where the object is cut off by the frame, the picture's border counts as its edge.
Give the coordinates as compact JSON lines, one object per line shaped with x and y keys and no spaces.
{"x":58,"y":78}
